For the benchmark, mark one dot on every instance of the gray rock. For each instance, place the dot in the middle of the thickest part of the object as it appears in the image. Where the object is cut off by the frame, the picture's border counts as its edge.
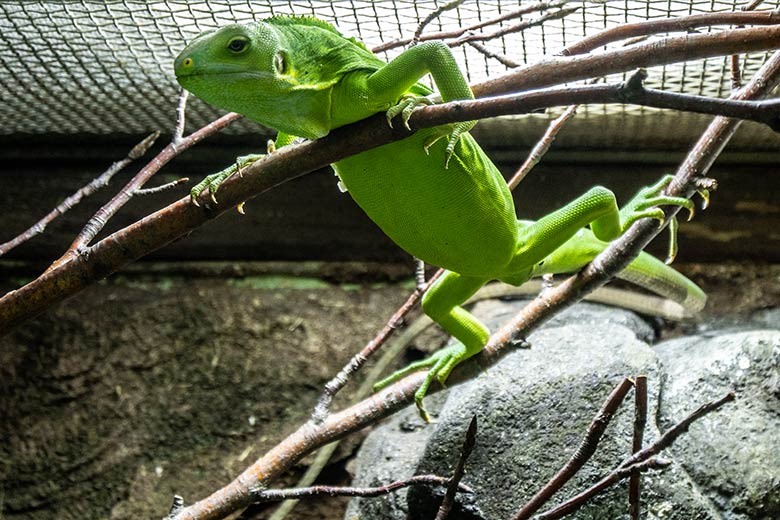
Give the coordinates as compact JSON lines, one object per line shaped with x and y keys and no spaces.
{"x":733,"y":455}
{"x":533,"y":410}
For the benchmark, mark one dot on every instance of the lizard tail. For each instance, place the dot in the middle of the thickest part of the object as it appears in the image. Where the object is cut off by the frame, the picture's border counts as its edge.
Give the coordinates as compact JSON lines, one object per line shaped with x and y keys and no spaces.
{"x":654,"y":275}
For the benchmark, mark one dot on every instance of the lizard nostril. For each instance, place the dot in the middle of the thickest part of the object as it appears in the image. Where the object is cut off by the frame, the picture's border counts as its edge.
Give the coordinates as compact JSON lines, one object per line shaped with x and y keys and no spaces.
{"x":187,"y":62}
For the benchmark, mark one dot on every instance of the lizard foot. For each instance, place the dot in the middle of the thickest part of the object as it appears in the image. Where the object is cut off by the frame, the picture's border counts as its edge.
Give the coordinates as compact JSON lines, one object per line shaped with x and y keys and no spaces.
{"x":645,"y":204}
{"x":439,"y":366}
{"x":406,"y":106}
{"x":213,"y":182}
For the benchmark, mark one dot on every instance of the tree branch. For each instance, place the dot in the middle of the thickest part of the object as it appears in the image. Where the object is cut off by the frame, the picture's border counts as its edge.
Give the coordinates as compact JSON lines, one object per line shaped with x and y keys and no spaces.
{"x":181,"y":217}
{"x":101,"y":181}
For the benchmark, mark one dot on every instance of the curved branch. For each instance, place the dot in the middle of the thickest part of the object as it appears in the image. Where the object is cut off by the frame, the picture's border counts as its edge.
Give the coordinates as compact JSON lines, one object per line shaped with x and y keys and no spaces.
{"x":181,"y":217}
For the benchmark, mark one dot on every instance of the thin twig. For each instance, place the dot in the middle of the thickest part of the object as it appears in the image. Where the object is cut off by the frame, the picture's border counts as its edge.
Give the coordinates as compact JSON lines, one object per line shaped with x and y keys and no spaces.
{"x":539,"y":6}
{"x":640,"y":419}
{"x":581,"y":455}
{"x":522,"y":26}
{"x":752,"y":5}
{"x":99,"y":220}
{"x":333,"y":386}
{"x":670,"y":435}
{"x":501,"y":58}
{"x":101,"y":181}
{"x":432,"y":16}
{"x":163,"y":187}
{"x":542,"y":146}
{"x":277,"y":495}
{"x":460,"y":470}
{"x":181,"y":113}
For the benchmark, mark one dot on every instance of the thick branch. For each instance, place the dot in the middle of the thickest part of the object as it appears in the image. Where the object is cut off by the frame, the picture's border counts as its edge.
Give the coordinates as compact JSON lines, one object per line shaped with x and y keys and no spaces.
{"x":181,"y":217}
{"x":554,"y":71}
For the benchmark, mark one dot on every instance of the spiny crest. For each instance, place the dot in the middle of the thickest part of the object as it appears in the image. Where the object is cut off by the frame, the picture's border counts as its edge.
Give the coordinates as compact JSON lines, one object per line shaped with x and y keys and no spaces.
{"x":292,"y":19}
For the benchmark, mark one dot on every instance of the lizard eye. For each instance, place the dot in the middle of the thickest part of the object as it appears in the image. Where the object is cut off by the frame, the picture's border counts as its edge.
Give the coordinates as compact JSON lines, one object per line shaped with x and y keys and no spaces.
{"x":238,"y":44}
{"x":279,"y":63}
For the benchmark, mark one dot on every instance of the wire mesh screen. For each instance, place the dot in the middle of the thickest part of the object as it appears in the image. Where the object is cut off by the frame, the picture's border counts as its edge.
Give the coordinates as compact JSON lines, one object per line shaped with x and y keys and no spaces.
{"x":106,"y":67}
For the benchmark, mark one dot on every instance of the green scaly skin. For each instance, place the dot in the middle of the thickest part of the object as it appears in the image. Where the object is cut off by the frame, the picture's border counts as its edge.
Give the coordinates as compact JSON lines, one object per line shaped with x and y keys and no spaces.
{"x":435,"y":193}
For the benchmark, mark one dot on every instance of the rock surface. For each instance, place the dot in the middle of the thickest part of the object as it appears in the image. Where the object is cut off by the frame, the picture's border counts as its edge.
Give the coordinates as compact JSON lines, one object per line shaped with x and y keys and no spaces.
{"x":534,"y":407}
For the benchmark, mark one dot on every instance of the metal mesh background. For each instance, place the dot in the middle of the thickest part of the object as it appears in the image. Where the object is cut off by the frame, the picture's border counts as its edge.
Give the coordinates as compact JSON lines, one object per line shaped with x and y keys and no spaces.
{"x":106,"y":67}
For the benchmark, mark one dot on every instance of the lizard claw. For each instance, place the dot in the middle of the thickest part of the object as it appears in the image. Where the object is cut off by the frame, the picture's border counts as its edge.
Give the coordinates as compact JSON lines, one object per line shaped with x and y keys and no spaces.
{"x":645,"y":204}
{"x":214,"y":181}
{"x":673,"y":247}
{"x":705,"y":198}
{"x":405,"y":107}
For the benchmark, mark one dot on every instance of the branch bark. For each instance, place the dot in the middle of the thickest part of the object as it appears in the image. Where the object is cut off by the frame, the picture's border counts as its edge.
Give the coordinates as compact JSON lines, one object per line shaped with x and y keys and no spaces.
{"x":181,"y":217}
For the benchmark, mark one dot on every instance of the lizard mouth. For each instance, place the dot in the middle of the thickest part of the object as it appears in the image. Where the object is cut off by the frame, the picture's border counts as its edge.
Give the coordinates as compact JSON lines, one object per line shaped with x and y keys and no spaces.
{"x":216,"y":73}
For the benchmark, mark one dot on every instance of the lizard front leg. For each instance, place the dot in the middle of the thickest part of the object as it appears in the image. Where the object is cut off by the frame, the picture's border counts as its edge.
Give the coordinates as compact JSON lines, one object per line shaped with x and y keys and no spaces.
{"x":214,"y":181}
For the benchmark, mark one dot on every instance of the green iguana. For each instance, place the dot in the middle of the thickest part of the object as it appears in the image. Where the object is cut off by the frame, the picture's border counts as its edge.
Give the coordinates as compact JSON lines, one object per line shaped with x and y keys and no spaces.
{"x":435,"y":194}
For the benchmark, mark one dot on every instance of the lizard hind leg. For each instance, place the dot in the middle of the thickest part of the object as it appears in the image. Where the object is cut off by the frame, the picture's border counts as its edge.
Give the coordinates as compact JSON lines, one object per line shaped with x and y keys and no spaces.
{"x":442,"y":302}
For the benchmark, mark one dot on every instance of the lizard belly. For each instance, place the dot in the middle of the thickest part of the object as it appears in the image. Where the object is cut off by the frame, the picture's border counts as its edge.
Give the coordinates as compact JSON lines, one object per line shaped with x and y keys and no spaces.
{"x":461,"y":218}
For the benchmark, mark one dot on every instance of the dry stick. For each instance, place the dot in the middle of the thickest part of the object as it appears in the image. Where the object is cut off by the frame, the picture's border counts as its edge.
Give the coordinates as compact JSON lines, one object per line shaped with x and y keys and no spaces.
{"x":542,"y":146}
{"x":432,"y":16}
{"x":610,"y":480}
{"x":670,"y":435}
{"x":101,"y":181}
{"x":277,"y":495}
{"x":681,"y":24}
{"x":99,"y":220}
{"x":501,"y":58}
{"x":640,"y":419}
{"x":522,"y":26}
{"x":637,"y":31}
{"x":582,"y":454}
{"x":638,"y":462}
{"x":752,"y":5}
{"x":309,"y":436}
{"x":540,"y":6}
{"x":460,"y":470}
{"x":162,"y":187}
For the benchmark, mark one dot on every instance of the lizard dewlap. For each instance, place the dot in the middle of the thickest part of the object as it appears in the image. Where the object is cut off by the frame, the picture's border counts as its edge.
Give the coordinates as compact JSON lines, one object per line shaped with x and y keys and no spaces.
{"x":436,"y":193}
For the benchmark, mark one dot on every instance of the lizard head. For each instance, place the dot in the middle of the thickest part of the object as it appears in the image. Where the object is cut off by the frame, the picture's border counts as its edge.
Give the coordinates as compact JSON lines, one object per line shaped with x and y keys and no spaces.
{"x":246,"y":69}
